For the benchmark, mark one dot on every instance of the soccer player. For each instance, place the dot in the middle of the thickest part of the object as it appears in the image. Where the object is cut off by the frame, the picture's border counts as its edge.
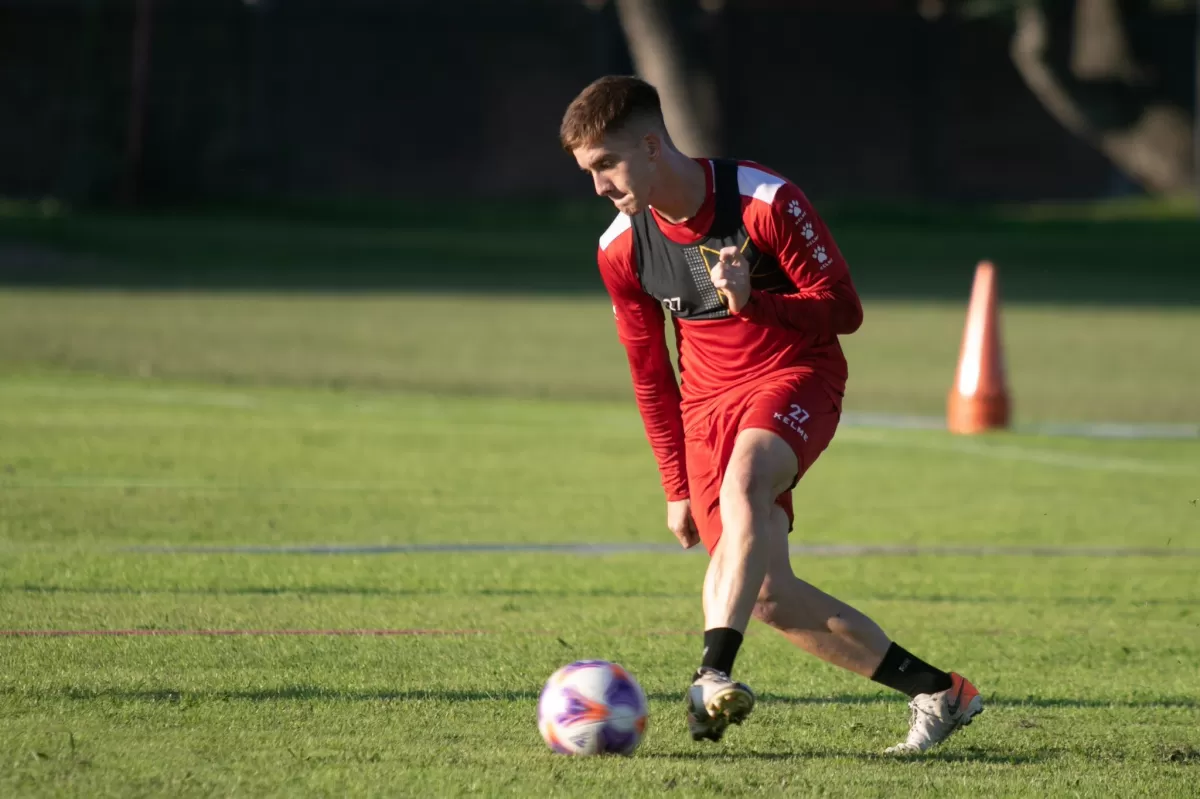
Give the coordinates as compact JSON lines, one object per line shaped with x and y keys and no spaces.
{"x":758,"y":294}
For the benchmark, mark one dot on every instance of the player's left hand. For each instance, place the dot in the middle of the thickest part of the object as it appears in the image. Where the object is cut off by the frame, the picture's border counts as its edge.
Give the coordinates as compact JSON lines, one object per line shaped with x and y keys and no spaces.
{"x":681,"y":523}
{"x":731,"y":277}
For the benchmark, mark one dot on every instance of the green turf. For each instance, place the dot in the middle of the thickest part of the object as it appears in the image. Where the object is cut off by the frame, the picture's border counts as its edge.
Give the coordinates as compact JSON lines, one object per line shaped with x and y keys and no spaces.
{"x":1088,"y":664}
{"x":134,"y":421}
{"x":1088,"y":667}
{"x":1065,"y":363}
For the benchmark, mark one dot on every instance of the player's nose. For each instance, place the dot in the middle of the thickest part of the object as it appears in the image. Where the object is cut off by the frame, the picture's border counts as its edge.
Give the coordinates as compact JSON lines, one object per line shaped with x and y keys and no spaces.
{"x":603,"y":185}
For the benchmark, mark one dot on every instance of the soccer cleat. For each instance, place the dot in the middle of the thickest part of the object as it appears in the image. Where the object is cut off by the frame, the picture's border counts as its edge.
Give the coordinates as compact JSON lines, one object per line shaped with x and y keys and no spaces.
{"x":714,"y":702}
{"x":933,"y":717}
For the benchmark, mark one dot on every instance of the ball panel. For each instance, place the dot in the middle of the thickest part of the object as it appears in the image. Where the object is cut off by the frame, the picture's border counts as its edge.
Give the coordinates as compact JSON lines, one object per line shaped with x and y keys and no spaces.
{"x":622,"y":718}
{"x":580,"y":709}
{"x":550,"y":735}
{"x":584,"y":664}
{"x":624,"y":692}
{"x":584,"y":739}
{"x":619,"y":742}
{"x":590,"y":680}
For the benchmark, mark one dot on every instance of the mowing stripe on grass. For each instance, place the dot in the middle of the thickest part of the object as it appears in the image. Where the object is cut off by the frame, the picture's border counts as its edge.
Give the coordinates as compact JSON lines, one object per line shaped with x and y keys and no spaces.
{"x":996,"y":451}
{"x":233,"y":400}
{"x":856,"y":421}
{"x":331,"y":632}
{"x":1014,"y":452}
{"x":822,"y":550}
{"x":143,"y":395}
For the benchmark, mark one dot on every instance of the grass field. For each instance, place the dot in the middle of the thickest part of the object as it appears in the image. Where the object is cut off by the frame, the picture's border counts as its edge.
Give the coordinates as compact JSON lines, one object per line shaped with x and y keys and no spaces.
{"x":155,"y":447}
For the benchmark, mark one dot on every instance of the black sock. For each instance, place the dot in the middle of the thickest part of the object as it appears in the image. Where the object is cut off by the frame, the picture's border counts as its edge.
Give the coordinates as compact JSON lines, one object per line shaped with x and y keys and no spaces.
{"x":721,"y":646}
{"x":907,"y":673}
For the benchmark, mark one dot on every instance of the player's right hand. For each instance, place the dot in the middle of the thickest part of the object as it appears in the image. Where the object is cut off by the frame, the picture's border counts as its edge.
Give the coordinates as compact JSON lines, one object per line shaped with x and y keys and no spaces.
{"x":679,"y":522}
{"x":731,"y":278}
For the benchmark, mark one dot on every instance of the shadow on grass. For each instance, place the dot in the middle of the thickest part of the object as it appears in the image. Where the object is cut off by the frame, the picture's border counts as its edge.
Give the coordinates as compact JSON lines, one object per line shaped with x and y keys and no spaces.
{"x":970,"y":755}
{"x":322,"y":693}
{"x":1003,"y":701}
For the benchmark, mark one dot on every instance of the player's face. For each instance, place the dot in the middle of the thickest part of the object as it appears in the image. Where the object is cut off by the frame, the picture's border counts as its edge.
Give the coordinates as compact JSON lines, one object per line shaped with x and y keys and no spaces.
{"x":622,"y":170}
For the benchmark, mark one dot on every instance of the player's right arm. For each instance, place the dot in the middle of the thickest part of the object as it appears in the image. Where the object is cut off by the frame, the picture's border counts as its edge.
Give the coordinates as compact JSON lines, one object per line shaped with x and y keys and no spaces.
{"x":640,"y":328}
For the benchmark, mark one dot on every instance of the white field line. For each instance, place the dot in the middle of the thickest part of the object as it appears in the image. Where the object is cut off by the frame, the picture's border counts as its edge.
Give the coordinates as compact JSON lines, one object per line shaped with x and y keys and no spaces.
{"x":816,"y":550}
{"x":868,"y":429}
{"x":1023,"y":454}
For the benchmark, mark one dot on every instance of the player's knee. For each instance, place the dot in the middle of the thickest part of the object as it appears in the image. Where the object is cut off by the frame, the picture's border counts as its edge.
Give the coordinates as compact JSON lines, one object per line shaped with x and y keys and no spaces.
{"x":747,"y":482}
{"x":760,"y":470}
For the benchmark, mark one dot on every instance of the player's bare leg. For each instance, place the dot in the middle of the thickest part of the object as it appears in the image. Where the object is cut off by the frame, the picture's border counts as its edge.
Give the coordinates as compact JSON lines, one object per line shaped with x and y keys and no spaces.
{"x":750,"y":573}
{"x":837,"y":633}
{"x":761,"y":467}
{"x":818,"y":623}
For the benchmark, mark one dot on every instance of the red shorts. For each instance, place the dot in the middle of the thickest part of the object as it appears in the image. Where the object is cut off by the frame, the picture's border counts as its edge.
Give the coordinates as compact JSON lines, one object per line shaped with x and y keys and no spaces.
{"x":800,"y":408}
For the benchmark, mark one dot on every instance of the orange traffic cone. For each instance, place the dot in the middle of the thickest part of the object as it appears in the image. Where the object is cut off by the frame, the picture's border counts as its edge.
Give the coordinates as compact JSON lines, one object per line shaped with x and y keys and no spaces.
{"x":979,"y":400}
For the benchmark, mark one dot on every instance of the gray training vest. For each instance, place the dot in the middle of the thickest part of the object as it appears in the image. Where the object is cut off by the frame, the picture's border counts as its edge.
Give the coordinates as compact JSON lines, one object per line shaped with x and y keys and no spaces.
{"x":677,"y":275}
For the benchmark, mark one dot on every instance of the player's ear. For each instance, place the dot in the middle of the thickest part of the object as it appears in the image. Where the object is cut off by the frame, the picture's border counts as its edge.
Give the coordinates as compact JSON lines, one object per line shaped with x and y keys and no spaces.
{"x":653,"y":146}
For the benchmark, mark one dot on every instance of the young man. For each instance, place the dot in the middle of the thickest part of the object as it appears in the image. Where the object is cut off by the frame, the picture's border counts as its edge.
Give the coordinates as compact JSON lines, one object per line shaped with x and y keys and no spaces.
{"x":758,"y":294}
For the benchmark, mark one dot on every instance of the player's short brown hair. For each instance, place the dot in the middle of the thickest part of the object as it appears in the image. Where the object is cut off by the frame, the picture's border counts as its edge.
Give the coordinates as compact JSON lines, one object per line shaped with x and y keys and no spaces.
{"x":605,"y":106}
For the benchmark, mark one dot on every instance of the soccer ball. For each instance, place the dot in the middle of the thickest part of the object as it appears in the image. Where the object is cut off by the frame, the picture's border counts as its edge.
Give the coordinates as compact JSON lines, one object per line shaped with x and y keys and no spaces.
{"x":592,"y":707}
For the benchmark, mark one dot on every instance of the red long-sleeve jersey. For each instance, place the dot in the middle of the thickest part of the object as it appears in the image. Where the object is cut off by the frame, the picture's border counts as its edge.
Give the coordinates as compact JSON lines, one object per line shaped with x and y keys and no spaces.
{"x":775,"y":333}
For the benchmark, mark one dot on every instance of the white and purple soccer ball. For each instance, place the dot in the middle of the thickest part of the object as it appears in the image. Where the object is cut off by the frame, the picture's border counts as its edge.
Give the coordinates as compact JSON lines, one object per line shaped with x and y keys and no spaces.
{"x":592,"y":707}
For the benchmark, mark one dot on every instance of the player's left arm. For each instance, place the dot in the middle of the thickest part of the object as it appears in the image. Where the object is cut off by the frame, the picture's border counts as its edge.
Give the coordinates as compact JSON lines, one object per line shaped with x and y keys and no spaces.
{"x":826,"y":302}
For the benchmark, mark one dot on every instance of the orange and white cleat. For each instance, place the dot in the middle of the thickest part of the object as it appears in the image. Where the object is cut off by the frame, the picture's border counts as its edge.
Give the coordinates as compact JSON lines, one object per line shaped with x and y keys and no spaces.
{"x":933,"y":717}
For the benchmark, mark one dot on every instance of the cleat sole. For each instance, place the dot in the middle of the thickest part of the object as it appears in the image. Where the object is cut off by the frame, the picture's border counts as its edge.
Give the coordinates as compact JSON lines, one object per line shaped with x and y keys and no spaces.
{"x":734,"y":705}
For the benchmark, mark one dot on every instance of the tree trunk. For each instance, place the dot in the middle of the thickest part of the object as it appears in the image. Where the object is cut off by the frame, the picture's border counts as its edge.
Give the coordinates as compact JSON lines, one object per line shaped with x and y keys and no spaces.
{"x":688,"y":90}
{"x":139,"y":80}
{"x":1076,"y":59}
